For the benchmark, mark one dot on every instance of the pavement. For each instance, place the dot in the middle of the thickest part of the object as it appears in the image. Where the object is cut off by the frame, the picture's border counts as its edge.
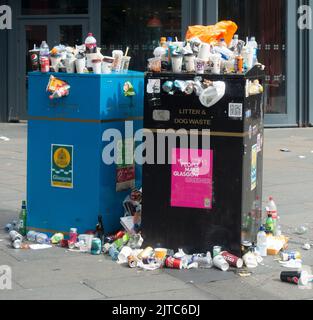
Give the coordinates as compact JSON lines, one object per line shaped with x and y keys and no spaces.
{"x":59,"y":274}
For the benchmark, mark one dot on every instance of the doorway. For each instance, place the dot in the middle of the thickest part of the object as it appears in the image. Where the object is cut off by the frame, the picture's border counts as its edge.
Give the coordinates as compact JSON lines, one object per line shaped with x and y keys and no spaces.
{"x":32,"y":32}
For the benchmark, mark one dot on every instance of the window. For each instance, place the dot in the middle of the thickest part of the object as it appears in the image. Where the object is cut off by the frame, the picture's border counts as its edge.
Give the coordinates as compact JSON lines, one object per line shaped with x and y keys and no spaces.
{"x":52,"y":7}
{"x":139,"y":25}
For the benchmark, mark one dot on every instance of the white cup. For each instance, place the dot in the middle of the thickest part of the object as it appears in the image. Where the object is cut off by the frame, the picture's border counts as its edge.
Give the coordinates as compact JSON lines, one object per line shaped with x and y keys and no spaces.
{"x":70,"y":65}
{"x":200,"y":65}
{"x":118,"y":57}
{"x":106,"y":67}
{"x":80,"y":65}
{"x":124,"y":254}
{"x":204,"y":51}
{"x":190,"y":63}
{"x":216,"y":63}
{"x":220,"y":263}
{"x":177,"y":63}
{"x":96,"y":66}
{"x":125,"y":63}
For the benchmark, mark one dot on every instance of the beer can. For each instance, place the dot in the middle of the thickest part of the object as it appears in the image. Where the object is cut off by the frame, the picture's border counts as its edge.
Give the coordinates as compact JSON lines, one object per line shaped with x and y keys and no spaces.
{"x":232,"y":260}
{"x":291,"y":255}
{"x":173,"y":263}
{"x":132,"y":262}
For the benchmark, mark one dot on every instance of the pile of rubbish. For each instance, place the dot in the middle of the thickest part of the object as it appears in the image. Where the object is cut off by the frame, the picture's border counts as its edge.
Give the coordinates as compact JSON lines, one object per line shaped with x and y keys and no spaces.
{"x":207,"y":49}
{"x":83,"y":58}
{"x":126,"y":247}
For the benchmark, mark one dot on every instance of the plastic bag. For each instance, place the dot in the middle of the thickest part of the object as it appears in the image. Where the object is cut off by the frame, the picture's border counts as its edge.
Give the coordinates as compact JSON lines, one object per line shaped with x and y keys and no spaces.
{"x":213,"y":94}
{"x":212,"y":34}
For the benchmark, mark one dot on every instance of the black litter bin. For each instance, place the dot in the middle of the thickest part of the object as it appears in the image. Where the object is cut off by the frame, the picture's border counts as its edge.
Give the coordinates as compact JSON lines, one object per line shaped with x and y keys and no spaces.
{"x":224,"y":206}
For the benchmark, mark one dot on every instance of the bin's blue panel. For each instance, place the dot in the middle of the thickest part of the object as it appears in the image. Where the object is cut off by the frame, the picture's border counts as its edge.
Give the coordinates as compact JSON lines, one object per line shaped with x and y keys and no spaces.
{"x":96,"y":103}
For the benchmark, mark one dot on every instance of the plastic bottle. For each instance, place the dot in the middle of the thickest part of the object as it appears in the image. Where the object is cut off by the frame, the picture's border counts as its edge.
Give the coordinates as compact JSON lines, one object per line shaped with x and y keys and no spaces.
{"x":44,"y":49}
{"x":234,"y":43}
{"x":271,"y":209}
{"x":262,"y":242}
{"x":22,"y":219}
{"x":91,"y":44}
{"x":270,"y":224}
{"x":254,"y":46}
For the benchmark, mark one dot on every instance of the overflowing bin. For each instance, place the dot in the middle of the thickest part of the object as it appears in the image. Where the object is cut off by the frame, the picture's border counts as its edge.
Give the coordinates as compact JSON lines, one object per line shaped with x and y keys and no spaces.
{"x":69,"y":184}
{"x":221,"y":206}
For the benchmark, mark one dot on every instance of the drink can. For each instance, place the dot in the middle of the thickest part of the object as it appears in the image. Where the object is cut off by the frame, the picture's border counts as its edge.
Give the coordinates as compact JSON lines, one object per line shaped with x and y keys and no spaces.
{"x":295,"y":277}
{"x":173,"y":263}
{"x":216,"y":251}
{"x":239,"y":64}
{"x":291,"y":255}
{"x":14,"y":235}
{"x":45,"y":64}
{"x":34,"y":59}
{"x":96,"y":246}
{"x":232,"y":260}
{"x":132,"y":262}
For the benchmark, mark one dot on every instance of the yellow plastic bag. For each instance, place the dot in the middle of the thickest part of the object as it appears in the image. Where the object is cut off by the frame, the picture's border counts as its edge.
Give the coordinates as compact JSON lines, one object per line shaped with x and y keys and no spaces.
{"x":212,"y":34}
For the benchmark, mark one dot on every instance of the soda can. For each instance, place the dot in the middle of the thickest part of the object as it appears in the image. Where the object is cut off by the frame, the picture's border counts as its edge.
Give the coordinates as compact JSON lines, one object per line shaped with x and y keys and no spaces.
{"x":232,"y":260}
{"x":96,"y":246}
{"x":173,"y":263}
{"x":295,"y":277}
{"x":216,"y":251}
{"x":239,"y":64}
{"x":291,"y":255}
{"x":45,"y":64}
{"x":132,"y":262}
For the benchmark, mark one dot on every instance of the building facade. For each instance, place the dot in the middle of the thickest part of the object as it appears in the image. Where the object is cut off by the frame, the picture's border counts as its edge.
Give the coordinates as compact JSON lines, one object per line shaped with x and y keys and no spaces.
{"x":284,"y":47}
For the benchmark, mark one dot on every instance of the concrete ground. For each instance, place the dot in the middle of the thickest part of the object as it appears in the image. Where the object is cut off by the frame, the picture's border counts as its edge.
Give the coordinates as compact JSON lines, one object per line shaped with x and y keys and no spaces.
{"x":59,"y":274}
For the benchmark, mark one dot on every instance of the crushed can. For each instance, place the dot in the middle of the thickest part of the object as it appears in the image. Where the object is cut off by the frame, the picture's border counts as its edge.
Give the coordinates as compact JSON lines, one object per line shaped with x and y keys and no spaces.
{"x":132,"y":262}
{"x":173,"y":263}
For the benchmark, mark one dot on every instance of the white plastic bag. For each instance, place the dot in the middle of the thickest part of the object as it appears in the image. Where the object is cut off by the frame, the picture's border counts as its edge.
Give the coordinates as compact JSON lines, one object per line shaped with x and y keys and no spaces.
{"x":213,"y":94}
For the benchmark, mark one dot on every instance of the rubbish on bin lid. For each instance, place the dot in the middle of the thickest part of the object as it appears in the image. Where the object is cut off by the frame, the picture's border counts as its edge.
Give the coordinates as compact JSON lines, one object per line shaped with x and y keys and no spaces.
{"x":290,"y":255}
{"x":250,"y":260}
{"x":40,"y":246}
{"x":212,"y":95}
{"x":292,"y":264}
{"x":4,"y":139}
{"x":306,"y":246}
{"x":57,"y":238}
{"x":301,"y":230}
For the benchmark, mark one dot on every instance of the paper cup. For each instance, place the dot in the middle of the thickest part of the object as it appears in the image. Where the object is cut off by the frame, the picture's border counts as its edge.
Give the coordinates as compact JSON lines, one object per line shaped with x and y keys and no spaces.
{"x":220,"y":263}
{"x":70,"y":65}
{"x":190,"y":63}
{"x":216,"y":63}
{"x":124,"y":254}
{"x":204,"y":52}
{"x":55,"y":61}
{"x":200,"y":66}
{"x":160,"y":253}
{"x":96,"y":67}
{"x":80,"y":65}
{"x":177,"y":64}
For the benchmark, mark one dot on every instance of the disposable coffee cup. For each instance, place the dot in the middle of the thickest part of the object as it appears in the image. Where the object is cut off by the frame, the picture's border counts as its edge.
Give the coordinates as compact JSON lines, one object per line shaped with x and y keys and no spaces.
{"x":190,"y":63}
{"x":216,"y":63}
{"x":177,"y":63}
{"x":96,"y":66}
{"x":80,"y":65}
{"x":118,"y":57}
{"x":55,"y":62}
{"x":200,"y":66}
{"x":220,"y":263}
{"x":34,"y":59}
{"x":70,"y":65}
{"x":204,"y":51}
{"x":125,"y":63}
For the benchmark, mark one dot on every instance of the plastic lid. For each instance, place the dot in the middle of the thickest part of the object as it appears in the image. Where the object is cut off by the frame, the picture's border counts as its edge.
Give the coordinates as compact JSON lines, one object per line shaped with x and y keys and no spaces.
{"x":252,"y":38}
{"x":262,"y":228}
{"x":271,"y":198}
{"x":169,"y":39}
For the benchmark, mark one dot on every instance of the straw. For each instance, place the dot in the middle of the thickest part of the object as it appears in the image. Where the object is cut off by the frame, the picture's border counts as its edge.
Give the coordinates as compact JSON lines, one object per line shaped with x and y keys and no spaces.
{"x":176,"y":39}
{"x":126,"y":53}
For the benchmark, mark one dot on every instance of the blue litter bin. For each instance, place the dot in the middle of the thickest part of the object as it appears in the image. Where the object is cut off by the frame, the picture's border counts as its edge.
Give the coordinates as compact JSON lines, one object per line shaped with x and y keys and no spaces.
{"x":68,"y":183}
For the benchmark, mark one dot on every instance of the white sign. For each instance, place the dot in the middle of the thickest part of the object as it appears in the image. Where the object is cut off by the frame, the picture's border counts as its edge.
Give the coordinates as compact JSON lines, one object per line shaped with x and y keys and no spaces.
{"x":5,"y":17}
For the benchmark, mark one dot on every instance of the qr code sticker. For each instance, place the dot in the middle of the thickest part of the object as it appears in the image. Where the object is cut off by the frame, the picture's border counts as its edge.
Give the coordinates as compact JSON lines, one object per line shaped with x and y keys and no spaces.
{"x":235,"y":110}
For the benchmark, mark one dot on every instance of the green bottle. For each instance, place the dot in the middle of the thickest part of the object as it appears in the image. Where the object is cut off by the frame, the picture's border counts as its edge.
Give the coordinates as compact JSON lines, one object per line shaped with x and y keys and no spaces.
{"x":22,"y":219}
{"x":269,"y":224}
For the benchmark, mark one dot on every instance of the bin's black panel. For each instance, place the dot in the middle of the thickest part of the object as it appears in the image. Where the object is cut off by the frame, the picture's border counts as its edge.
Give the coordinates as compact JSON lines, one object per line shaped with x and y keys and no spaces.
{"x":232,"y":143}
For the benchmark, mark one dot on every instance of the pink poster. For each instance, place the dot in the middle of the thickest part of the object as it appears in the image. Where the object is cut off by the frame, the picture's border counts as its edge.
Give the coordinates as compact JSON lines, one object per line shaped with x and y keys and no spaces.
{"x":192,"y":176}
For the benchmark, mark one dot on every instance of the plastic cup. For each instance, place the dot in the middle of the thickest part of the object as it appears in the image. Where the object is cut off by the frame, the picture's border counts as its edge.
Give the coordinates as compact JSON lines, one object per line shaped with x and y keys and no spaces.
{"x":190,"y":63}
{"x":177,"y":63}
{"x":106,"y":67}
{"x":216,"y":63}
{"x":124,"y":254}
{"x":125,"y":63}
{"x":204,"y":52}
{"x":155,"y":64}
{"x":160,"y":253}
{"x":96,"y":66}
{"x":118,"y":57}
{"x":200,"y":66}
{"x":55,"y":61}
{"x":80,"y":65}
{"x":220,"y":263}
